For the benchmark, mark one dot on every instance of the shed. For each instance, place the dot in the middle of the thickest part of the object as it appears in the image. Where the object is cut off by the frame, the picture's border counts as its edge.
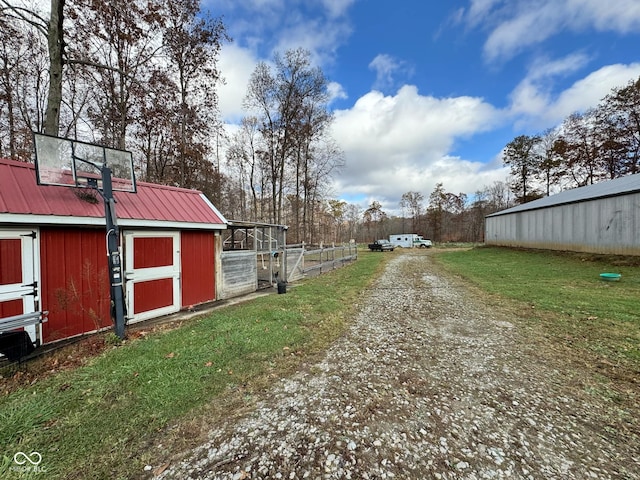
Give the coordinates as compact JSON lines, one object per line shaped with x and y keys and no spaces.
{"x":53,"y":252}
{"x":603,"y":218}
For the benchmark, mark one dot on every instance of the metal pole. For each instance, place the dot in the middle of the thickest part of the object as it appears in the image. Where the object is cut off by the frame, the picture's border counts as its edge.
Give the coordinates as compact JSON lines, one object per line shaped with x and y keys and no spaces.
{"x":113,"y":253}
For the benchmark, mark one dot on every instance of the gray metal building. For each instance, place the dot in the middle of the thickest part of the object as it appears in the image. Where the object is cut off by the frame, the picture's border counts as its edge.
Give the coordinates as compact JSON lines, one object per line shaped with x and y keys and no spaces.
{"x":601,"y":218}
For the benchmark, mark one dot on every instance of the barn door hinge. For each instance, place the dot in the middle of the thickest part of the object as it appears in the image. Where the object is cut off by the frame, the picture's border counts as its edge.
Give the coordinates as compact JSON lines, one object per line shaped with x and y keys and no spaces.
{"x":34,"y":293}
{"x":32,"y":235}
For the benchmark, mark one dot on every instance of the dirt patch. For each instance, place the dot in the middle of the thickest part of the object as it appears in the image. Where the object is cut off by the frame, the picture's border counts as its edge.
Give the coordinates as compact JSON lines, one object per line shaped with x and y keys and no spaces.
{"x":428,"y":382}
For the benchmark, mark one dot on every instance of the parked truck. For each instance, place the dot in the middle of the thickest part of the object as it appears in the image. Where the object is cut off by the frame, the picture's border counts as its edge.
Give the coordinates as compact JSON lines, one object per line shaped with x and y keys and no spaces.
{"x":409,"y":240}
{"x":381,"y":246}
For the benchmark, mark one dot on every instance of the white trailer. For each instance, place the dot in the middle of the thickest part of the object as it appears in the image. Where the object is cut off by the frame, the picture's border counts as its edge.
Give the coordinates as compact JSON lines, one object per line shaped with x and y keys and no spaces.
{"x":409,"y":240}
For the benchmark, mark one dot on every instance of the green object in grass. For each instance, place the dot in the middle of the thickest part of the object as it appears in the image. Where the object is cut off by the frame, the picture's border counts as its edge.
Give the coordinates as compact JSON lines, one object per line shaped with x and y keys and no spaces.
{"x":610,"y":277}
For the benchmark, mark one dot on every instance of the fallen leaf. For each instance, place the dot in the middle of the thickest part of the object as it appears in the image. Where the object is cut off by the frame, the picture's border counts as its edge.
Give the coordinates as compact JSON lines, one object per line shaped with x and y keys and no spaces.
{"x":208,"y":364}
{"x":160,"y":469}
{"x":170,"y":355}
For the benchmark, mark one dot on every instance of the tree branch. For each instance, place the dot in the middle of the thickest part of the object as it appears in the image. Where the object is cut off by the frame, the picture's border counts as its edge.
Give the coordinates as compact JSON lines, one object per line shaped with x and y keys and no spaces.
{"x":26,"y":15}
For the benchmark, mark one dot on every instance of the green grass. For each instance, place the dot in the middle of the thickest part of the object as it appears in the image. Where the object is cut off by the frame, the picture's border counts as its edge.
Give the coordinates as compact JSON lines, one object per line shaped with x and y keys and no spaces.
{"x":99,"y":420}
{"x":562,"y":295}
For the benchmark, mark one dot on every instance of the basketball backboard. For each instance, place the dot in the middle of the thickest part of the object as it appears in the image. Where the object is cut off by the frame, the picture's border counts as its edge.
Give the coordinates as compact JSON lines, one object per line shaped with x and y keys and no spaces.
{"x":71,"y":163}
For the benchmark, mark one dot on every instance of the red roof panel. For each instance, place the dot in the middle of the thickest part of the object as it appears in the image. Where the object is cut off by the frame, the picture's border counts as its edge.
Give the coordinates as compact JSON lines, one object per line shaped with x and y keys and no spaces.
{"x":21,"y":195}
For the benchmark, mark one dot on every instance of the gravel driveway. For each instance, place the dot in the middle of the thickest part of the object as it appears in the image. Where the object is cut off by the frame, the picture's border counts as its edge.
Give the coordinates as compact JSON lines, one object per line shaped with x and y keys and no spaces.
{"x":427,"y":383}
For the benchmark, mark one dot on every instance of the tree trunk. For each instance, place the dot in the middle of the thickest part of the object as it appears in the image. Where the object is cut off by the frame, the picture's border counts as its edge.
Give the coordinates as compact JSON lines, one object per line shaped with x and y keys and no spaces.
{"x":56,"y":51}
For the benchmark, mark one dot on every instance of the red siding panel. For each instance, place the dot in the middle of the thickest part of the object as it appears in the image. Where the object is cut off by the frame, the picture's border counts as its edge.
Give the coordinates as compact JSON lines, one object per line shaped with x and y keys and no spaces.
{"x":75,"y":281}
{"x":10,"y":261}
{"x":11,"y":308}
{"x":152,"y":295}
{"x":197,"y":259}
{"x":152,"y":252}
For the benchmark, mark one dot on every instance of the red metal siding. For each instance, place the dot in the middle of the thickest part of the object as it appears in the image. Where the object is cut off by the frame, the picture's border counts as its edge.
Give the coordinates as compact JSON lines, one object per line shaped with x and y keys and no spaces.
{"x":152,"y":295}
{"x":152,"y":252}
{"x":75,"y":282}
{"x":10,"y":261}
{"x":10,"y":308}
{"x":197,"y":259}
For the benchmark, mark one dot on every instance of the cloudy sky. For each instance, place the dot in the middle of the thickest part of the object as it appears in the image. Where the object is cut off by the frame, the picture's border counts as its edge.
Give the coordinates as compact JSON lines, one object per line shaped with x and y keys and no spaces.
{"x":429,"y":91}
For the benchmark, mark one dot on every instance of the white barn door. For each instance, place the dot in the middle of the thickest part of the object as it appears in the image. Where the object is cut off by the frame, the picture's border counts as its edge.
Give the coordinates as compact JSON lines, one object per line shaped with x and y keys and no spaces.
{"x":152,"y":274}
{"x":19,"y":275}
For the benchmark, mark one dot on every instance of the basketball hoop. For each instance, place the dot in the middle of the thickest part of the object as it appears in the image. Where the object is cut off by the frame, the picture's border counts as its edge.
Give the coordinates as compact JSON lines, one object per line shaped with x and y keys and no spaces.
{"x":70,"y":163}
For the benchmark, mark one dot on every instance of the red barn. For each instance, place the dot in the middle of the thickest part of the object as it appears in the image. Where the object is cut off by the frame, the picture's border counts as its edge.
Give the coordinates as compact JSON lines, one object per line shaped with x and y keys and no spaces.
{"x":53,"y":253}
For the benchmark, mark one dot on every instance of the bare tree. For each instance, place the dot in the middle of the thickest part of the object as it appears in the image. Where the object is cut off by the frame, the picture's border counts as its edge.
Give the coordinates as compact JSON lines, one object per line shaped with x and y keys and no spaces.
{"x":52,"y":29}
{"x":353,"y":215}
{"x":374,"y":218}
{"x":289,"y":102}
{"x":192,"y":43}
{"x":413,"y":202}
{"x":246,"y":160}
{"x":115,"y":43}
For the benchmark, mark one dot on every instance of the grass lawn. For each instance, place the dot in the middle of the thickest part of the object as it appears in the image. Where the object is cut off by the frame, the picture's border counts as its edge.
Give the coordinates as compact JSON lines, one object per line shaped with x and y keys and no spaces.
{"x":100,"y":420}
{"x":562,"y":296}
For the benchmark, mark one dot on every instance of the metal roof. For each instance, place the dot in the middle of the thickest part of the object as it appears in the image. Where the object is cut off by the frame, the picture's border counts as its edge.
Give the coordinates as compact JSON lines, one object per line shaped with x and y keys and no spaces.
{"x":22,"y":200}
{"x":611,"y":188}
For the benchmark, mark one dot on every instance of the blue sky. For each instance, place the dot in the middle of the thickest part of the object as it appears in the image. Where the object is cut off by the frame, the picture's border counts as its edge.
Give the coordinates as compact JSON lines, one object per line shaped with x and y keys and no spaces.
{"x":429,"y":91}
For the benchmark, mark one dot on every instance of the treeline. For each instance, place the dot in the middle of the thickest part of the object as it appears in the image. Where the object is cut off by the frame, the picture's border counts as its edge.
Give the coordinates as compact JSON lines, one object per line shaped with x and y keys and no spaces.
{"x":139,"y":75}
{"x":599,"y":144}
{"x":142,"y":75}
{"x":445,"y":217}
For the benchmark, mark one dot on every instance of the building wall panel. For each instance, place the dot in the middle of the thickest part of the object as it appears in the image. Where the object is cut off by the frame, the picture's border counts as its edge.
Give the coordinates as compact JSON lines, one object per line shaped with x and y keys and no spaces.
{"x":239,"y":273}
{"x":75,"y":281}
{"x":608,"y":225}
{"x":197,"y":255}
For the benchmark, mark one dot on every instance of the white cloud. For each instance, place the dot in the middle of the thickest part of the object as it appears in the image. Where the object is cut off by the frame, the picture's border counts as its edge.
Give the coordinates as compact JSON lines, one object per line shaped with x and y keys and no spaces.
{"x":394,"y":144}
{"x":236,"y":64}
{"x":269,"y":26}
{"x":336,"y":92}
{"x":386,"y":68}
{"x":337,"y":8}
{"x":544,"y":68}
{"x":319,"y":36}
{"x":534,"y":106}
{"x":262,"y":27}
{"x":516,"y":25}
{"x":523,"y":30}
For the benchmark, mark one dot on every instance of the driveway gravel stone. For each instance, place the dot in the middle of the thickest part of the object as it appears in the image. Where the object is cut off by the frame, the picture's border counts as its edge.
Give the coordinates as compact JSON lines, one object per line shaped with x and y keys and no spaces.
{"x":428,"y":382}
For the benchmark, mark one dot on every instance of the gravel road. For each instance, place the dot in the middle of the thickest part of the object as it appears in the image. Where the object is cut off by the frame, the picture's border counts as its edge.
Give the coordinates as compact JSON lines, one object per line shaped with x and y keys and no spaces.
{"x":427,"y":383}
